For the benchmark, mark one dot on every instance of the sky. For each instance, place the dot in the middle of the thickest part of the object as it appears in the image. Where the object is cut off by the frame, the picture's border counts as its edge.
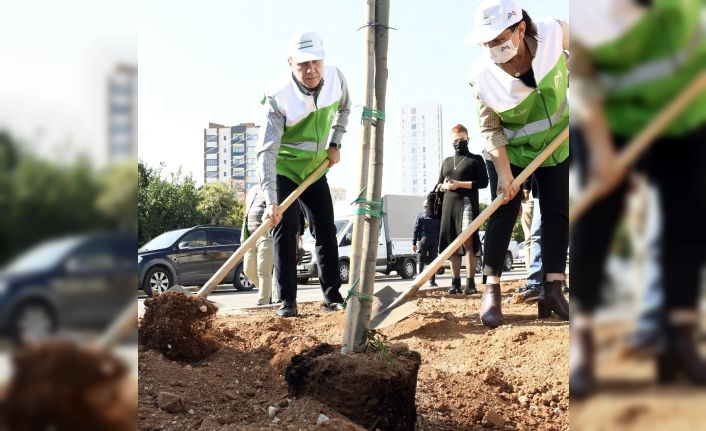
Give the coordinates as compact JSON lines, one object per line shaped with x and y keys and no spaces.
{"x":56,"y":58}
{"x":204,"y":62}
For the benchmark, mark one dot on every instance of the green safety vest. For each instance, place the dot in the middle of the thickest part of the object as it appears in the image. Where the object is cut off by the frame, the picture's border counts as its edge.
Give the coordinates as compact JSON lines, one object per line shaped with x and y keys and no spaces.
{"x":308,"y":123}
{"x":646,"y":66}
{"x":531,"y":117}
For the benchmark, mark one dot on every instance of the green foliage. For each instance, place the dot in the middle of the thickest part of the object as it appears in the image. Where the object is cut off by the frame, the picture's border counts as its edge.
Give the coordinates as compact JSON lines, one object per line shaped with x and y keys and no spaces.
{"x":40,"y":200}
{"x":174,"y":203}
{"x":219,"y":205}
{"x":376,"y":343}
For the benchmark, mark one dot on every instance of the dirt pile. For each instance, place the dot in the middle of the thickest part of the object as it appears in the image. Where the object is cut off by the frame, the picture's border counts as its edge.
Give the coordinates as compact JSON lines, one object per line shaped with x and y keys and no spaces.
{"x":179,"y":326}
{"x":61,"y":386}
{"x":361,"y":386}
{"x":514,"y":377}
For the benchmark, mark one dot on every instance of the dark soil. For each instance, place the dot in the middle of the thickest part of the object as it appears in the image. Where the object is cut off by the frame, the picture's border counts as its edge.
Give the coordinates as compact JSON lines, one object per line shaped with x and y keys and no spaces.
{"x":373,"y":393}
{"x":63,"y":387}
{"x":179,"y":326}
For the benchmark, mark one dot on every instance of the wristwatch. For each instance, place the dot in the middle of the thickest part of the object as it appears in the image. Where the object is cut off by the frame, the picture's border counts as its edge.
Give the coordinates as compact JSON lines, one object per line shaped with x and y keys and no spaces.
{"x":335,"y":145}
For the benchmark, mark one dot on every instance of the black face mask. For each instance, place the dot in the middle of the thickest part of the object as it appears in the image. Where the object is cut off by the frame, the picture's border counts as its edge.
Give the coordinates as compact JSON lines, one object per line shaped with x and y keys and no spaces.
{"x":461,"y":146}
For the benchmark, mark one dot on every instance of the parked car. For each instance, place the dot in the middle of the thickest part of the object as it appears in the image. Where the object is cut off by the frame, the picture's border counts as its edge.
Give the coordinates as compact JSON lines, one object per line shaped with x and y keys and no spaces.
{"x":72,"y":282}
{"x":189,"y":257}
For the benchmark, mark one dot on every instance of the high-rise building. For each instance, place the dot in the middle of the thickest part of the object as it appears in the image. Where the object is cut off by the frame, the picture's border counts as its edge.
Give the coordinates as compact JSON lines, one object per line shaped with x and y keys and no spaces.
{"x":122,"y":113}
{"x":229,"y":156}
{"x":419,"y":148}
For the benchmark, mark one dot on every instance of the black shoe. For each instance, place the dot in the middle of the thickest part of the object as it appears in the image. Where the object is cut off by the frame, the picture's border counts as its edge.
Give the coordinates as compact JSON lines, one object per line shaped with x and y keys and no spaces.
{"x":681,"y":357}
{"x":470,"y":287}
{"x":455,"y":286}
{"x":432,"y":283}
{"x":582,"y":379}
{"x":552,"y":299}
{"x":332,"y":306}
{"x":288,"y":308}
{"x":530,"y":292}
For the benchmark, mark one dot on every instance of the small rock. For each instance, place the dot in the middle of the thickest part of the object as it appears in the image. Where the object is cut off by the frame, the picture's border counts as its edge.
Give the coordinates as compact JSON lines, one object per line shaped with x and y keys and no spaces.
{"x":169,"y":402}
{"x":231,"y":395}
{"x":187,"y":367}
{"x":209,"y":424}
{"x":322,"y":419}
{"x":203,"y":308}
{"x":272,"y":411}
{"x":495,"y":419}
{"x":283,"y":403}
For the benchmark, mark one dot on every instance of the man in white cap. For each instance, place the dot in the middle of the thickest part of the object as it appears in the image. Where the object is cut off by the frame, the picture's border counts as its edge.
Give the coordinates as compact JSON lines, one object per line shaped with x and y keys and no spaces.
{"x":521,"y":89}
{"x":301,"y":110}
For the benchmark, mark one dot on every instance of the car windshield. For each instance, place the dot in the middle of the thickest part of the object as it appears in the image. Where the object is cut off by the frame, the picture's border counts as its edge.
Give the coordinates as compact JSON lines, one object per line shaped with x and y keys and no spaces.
{"x":43,"y":256}
{"x":340,"y":224}
{"x":167,"y":239}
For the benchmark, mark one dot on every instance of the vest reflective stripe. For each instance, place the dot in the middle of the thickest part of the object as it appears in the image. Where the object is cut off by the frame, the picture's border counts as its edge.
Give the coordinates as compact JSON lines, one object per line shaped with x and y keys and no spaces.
{"x":655,"y":69}
{"x":304,"y":146}
{"x":539,"y":126}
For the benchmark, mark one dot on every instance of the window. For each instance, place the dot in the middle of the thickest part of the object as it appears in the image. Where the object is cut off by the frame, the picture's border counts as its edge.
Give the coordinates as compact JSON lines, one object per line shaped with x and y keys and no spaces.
{"x":424,"y":149}
{"x":414,"y":111}
{"x":414,"y":127}
{"x":251,"y":148}
{"x":252,"y":137}
{"x":211,"y":138}
{"x":251,"y":173}
{"x":225,"y":174}
{"x":211,"y":162}
{"x":194,"y":239}
{"x":211,"y":174}
{"x":213,"y":150}
{"x":222,"y":237}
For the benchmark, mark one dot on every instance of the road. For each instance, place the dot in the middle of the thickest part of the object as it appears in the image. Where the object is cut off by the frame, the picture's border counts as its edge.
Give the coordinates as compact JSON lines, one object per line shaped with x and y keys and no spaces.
{"x":231,"y":300}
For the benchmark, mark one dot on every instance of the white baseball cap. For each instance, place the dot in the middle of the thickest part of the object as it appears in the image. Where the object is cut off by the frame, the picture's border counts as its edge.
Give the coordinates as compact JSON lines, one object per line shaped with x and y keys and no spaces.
{"x":492,"y":17}
{"x":306,"y":47}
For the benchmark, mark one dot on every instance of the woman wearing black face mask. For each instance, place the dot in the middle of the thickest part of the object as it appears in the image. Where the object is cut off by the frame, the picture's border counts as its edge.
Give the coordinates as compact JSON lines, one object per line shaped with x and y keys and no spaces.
{"x":461,"y":176}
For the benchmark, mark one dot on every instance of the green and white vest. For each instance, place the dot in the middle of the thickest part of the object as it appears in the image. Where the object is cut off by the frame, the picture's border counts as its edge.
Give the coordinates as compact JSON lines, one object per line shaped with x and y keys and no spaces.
{"x":531,"y":117}
{"x":648,"y":61}
{"x":307,"y":125}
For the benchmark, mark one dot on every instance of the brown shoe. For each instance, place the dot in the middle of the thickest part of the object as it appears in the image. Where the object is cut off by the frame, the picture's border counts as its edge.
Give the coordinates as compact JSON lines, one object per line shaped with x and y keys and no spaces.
{"x":552,"y":299}
{"x":681,"y":358}
{"x":491,"y":314}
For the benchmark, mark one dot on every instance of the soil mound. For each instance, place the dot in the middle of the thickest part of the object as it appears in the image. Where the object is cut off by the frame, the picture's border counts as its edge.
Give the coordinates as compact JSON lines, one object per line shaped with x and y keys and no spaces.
{"x":61,"y":386}
{"x":179,"y":326}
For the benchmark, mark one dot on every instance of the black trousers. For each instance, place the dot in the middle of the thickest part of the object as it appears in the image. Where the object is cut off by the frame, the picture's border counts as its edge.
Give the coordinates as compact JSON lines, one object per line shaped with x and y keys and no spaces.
{"x":428,"y":250}
{"x":316,"y":202}
{"x":675,"y":166}
{"x":553,"y":189}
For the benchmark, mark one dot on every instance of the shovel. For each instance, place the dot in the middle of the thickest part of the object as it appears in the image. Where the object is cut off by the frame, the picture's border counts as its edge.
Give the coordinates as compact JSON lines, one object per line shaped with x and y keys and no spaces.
{"x":640,"y":143}
{"x":237,"y":256}
{"x":389,"y":307}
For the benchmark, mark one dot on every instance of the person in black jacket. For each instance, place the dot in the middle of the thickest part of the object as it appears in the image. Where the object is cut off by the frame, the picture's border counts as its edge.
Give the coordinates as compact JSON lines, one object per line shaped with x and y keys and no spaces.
{"x":426,"y":233}
{"x":461,"y":176}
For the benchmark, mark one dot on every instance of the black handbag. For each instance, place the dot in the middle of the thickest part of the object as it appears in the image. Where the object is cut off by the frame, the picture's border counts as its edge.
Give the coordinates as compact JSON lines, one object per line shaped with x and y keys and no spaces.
{"x":435,"y":200}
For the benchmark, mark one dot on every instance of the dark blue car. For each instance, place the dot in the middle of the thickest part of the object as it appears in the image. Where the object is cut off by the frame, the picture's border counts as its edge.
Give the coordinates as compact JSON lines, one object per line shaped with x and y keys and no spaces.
{"x":189,"y":257}
{"x":73,"y":282}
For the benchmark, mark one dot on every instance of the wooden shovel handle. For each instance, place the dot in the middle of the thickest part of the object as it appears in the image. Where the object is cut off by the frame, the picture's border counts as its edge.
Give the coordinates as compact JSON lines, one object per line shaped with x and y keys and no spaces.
{"x":639,"y":144}
{"x":478,"y":221}
{"x":237,"y":256}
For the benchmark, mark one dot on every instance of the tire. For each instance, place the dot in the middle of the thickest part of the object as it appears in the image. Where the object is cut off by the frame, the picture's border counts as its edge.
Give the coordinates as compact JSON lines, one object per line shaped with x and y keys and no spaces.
{"x":157,"y":280}
{"x":240,"y":281}
{"x":344,"y":269}
{"x":507,"y":262}
{"x":407,"y":268}
{"x":33,"y":321}
{"x":302,"y":280}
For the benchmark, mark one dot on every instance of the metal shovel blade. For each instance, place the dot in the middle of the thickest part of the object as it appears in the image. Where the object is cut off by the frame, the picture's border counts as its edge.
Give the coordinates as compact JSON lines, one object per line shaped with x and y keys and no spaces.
{"x":385,"y":313}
